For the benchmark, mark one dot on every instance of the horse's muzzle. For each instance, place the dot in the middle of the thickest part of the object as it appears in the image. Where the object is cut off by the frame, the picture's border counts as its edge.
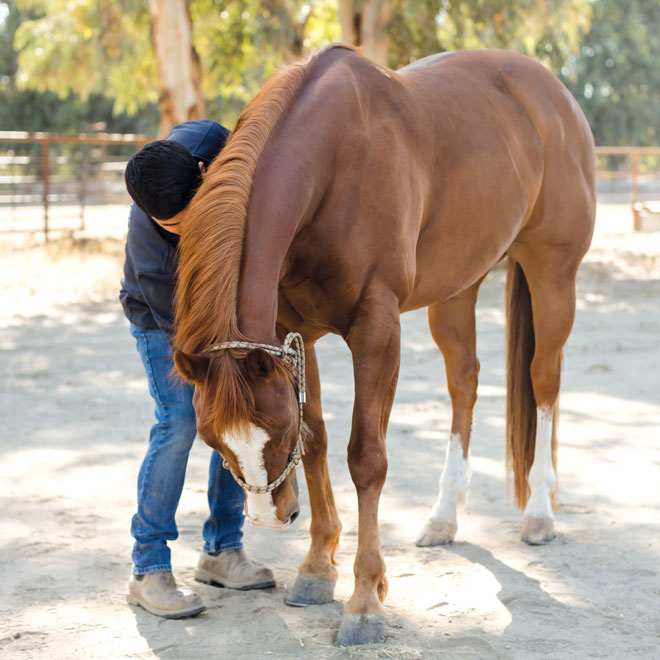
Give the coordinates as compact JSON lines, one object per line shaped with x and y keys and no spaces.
{"x":274,"y":524}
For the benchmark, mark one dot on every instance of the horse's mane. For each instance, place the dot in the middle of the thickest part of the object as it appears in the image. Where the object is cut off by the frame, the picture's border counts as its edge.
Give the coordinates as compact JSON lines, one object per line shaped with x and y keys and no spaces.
{"x":213,"y":232}
{"x":211,"y":245}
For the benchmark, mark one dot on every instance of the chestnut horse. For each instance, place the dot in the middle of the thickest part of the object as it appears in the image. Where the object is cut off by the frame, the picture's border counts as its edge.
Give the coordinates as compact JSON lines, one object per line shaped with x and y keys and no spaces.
{"x":346,"y":195}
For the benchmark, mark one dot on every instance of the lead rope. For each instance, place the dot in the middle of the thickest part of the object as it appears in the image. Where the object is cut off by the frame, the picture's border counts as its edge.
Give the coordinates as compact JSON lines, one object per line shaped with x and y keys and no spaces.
{"x":292,"y":351}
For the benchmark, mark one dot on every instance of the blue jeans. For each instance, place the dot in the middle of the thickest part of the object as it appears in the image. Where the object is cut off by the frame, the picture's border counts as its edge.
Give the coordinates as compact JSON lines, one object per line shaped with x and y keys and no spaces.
{"x":161,"y":476}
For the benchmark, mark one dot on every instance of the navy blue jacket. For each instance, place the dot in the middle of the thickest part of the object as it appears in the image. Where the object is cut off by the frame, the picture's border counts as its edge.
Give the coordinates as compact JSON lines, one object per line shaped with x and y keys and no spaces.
{"x":147,"y":288}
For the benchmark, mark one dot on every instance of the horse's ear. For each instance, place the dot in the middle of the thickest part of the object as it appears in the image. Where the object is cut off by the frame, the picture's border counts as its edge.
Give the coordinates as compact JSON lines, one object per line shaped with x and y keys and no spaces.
{"x":192,"y":367}
{"x":260,"y":364}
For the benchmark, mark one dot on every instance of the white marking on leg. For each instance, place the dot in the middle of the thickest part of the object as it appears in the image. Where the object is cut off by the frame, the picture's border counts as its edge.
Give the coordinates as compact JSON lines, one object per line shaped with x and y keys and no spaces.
{"x":453,"y":483}
{"x":249,"y":451}
{"x":542,"y":479}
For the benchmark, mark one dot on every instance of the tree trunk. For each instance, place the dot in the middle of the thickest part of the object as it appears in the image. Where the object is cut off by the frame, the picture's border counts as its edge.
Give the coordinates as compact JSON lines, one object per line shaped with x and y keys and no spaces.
{"x":364,"y":23}
{"x":179,"y":73}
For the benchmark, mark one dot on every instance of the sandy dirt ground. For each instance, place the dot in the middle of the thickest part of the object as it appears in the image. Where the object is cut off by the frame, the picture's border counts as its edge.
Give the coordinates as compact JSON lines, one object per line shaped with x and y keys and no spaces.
{"x":75,"y":415}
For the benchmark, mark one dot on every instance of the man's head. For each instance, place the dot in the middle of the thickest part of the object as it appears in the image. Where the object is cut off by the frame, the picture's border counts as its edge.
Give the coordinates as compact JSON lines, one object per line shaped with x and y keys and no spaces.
{"x":162,"y":178}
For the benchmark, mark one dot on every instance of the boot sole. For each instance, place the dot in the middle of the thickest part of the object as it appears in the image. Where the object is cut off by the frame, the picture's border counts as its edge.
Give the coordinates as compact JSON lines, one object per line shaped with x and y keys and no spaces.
{"x":209,"y":578}
{"x":166,"y":614}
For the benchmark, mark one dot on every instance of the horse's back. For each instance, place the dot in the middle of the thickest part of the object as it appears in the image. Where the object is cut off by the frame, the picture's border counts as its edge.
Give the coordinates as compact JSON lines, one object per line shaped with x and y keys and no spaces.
{"x":513,"y":152}
{"x":497,"y":73}
{"x":436,"y":168}
{"x":547,"y":121}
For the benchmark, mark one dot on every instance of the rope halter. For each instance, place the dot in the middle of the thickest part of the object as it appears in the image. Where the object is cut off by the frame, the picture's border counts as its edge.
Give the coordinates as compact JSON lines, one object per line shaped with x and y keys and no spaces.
{"x":293,"y":353}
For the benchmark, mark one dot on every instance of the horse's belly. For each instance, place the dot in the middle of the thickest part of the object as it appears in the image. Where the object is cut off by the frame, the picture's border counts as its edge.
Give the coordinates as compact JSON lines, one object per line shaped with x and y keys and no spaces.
{"x":435,"y":285}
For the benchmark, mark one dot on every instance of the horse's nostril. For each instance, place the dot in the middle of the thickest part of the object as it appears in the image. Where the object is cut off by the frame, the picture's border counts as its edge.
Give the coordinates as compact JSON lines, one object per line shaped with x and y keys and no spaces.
{"x":294,"y":515}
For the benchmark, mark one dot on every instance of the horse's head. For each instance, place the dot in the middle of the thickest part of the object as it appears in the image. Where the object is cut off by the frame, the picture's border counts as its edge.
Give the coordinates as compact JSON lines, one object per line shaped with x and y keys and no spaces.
{"x":247,"y":409}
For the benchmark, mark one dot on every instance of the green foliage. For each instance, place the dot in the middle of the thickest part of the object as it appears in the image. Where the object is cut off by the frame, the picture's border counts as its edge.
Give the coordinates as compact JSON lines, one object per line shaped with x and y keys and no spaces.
{"x":29,"y":109}
{"x":242,"y":42}
{"x":547,"y":31}
{"x":10,"y":19}
{"x":32,"y":110}
{"x":77,"y":62}
{"x":88,"y":47}
{"x":616,"y":74}
{"x":414,"y":31}
{"x":101,"y":47}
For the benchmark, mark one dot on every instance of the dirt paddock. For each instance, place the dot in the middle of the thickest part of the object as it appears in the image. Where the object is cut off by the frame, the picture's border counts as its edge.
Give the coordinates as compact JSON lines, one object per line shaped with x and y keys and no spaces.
{"x":75,"y":419}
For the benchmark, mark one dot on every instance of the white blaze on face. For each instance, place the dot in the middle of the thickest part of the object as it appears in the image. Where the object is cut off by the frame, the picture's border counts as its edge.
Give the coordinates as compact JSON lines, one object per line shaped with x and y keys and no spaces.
{"x":249,"y":450}
{"x":542,"y":477}
{"x":453,"y":483}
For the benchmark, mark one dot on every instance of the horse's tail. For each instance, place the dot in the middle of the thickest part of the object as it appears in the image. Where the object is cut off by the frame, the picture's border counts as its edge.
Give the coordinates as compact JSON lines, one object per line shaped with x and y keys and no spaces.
{"x":521,"y":405}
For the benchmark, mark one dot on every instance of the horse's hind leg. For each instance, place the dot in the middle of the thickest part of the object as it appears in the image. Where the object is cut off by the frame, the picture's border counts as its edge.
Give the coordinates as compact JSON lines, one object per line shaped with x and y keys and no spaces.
{"x":317,"y":575}
{"x":551,"y":276}
{"x":452,"y":325}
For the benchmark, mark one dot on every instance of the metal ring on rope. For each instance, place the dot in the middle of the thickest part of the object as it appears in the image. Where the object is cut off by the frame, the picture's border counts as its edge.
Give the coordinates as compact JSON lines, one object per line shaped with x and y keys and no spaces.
{"x":293,"y":352}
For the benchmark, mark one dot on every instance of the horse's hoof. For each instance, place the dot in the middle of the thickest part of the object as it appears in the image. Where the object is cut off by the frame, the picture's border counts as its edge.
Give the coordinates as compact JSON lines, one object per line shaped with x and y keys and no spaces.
{"x":538,"y":531}
{"x":359,"y":629}
{"x":311,"y":590}
{"x":436,"y":532}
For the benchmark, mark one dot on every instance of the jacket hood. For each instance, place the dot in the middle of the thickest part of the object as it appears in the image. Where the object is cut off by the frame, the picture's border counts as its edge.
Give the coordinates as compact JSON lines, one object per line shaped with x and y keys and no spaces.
{"x":204,"y":138}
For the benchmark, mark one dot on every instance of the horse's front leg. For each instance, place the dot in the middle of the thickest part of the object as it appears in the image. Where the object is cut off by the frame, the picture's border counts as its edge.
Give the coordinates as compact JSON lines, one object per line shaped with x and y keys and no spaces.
{"x":317,"y":574}
{"x":375,"y":345}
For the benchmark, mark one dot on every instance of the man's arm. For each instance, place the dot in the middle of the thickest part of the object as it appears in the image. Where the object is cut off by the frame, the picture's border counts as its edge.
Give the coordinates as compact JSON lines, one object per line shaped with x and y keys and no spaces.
{"x":157,"y":291}
{"x":154,"y":265}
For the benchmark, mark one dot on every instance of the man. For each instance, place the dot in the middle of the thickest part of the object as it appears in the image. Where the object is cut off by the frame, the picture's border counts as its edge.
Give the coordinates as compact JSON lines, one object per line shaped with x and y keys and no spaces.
{"x":162,"y":178}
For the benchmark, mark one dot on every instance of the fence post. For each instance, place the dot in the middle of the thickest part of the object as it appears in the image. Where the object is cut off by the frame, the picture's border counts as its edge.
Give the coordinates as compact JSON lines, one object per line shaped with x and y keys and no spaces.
{"x":637,"y":225}
{"x":83,"y":186}
{"x":45,"y":184}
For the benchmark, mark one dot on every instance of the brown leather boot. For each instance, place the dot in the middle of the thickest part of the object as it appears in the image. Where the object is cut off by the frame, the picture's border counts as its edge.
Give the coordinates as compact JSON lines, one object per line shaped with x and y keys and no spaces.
{"x":160,"y":594}
{"x":232,"y":569}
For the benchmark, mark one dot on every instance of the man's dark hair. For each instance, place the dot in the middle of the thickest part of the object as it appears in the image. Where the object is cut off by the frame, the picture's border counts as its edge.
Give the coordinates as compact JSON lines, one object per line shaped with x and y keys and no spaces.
{"x":162,"y":178}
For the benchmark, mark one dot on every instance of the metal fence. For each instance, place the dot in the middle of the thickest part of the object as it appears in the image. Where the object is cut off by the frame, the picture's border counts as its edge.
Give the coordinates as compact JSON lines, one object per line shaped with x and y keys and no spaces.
{"x":41,"y":171}
{"x":630,"y":174}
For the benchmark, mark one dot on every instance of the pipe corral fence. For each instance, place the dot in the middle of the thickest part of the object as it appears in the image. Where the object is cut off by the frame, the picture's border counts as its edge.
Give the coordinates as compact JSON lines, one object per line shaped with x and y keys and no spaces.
{"x":40,"y":172}
{"x":630,"y":174}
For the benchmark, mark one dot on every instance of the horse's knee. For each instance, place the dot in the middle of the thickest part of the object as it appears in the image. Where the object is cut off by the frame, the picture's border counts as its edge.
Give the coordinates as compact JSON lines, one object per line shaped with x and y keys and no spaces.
{"x":367,"y":463}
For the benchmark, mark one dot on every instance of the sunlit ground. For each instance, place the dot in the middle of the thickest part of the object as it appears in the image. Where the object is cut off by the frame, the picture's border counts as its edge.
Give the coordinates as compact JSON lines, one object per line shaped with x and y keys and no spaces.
{"x":75,"y":418}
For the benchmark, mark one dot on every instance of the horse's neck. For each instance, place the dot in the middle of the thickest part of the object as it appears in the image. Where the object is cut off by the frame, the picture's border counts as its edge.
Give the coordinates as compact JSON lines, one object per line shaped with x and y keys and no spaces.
{"x":284,"y":194}
{"x":291,"y":179}
{"x":257,"y":288}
